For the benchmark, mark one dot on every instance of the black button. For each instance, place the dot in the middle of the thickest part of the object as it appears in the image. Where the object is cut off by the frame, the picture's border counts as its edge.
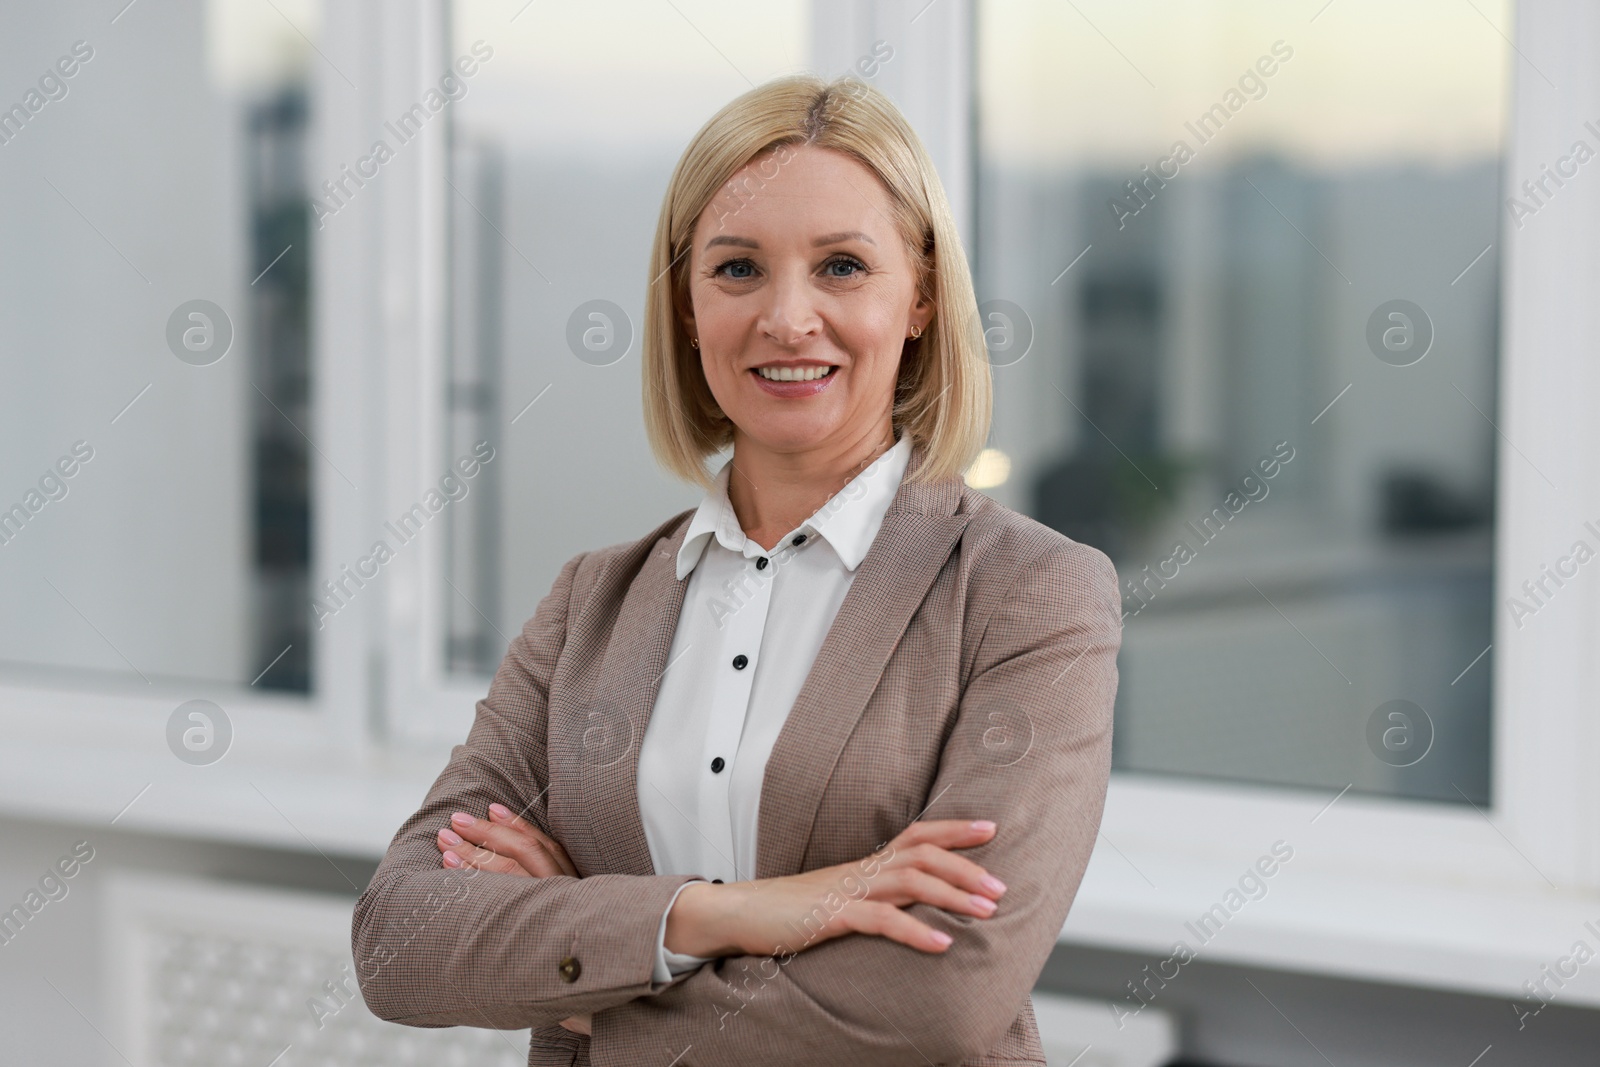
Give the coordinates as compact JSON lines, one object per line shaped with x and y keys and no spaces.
{"x":717,"y":881}
{"x":570,"y":968}
{"x":798,"y":539}
{"x":740,"y":662}
{"x":761,"y":564}
{"x":717,"y":765}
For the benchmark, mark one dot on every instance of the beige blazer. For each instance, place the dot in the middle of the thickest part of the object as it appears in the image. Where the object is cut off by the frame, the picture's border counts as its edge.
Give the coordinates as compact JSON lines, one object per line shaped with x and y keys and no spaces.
{"x":970,"y":673}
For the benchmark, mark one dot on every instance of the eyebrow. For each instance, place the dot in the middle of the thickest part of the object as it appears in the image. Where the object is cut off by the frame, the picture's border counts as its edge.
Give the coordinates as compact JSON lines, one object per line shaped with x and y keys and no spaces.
{"x":826,"y":239}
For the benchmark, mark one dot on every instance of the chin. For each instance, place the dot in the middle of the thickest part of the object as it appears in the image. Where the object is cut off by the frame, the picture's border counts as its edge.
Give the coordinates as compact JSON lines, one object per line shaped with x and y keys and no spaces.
{"x":787,"y":433}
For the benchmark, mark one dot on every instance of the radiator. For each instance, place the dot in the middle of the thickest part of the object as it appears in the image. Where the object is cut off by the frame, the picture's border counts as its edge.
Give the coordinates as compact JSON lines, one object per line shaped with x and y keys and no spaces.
{"x":213,"y":974}
{"x":205,"y":973}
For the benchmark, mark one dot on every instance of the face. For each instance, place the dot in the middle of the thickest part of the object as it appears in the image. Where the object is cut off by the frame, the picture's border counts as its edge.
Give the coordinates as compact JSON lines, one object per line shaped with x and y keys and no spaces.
{"x":803,"y":295}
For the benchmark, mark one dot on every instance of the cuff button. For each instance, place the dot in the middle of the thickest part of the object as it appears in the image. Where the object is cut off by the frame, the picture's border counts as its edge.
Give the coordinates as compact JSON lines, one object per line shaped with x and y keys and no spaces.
{"x":570,"y":969}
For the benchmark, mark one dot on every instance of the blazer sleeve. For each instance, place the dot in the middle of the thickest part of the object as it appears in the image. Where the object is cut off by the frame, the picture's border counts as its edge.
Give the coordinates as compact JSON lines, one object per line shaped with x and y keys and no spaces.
{"x":441,"y":947}
{"x":1045,"y":676}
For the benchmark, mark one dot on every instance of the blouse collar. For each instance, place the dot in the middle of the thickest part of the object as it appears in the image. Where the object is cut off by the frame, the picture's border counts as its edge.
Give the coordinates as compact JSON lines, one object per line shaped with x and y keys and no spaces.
{"x":848,"y":521}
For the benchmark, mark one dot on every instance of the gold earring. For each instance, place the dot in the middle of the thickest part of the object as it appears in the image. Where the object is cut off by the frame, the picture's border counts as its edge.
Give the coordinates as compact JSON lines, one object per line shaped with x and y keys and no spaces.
{"x":916,"y":332}
{"x":694,"y":342}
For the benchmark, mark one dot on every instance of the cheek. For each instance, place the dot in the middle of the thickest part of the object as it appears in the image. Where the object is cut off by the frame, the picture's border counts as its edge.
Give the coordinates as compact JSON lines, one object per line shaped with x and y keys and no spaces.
{"x":873,"y":335}
{"x":716,"y":328}
{"x":871,"y":330}
{"x":721,"y":318}
{"x":717,"y":372}
{"x":722,"y":378}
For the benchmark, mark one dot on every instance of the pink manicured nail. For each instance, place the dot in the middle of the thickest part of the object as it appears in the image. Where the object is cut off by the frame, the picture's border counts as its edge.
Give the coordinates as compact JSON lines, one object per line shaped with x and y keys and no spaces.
{"x":500,"y":811}
{"x":984,"y":905}
{"x":982,"y":825}
{"x":452,"y":860}
{"x":450,"y":837}
{"x":461,"y":818}
{"x":940,"y":938}
{"x":993,"y":884}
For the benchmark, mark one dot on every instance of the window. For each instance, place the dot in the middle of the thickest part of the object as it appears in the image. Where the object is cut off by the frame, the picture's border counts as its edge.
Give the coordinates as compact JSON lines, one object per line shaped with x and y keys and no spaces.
{"x":155,"y":465}
{"x":1148,"y":357}
{"x":1240,"y":269}
{"x":558,"y":162}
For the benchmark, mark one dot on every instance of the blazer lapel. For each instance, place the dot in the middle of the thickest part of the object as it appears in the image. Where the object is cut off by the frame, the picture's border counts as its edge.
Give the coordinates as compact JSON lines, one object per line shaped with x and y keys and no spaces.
{"x":614,"y":724}
{"x":918,"y":533}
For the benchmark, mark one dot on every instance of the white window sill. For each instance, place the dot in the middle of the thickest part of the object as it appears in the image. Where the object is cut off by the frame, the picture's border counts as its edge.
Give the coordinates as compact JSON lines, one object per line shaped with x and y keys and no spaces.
{"x":1425,"y":895}
{"x":304,"y":802}
{"x":1461,"y":939}
{"x":1382,"y":925}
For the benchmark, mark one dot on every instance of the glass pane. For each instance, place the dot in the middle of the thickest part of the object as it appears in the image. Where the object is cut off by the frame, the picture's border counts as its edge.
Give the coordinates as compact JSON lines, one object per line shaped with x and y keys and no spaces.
{"x":1246,"y":256}
{"x":153,"y":469}
{"x":559,"y":161}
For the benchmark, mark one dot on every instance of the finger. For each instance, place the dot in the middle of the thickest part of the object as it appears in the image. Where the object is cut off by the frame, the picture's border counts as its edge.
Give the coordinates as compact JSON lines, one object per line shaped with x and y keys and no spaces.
{"x":953,"y":868}
{"x":888,"y":921}
{"x":469,"y":855}
{"x":913,"y":844}
{"x":946,"y":833}
{"x":499,"y":813}
{"x":507,"y":842}
{"x":908,"y":885}
{"x":530,"y":839}
{"x":452,"y":860}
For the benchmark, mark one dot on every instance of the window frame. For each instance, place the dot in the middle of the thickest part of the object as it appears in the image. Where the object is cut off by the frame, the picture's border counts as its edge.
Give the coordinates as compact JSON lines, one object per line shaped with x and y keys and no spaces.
{"x":385,"y":710}
{"x":1539,"y":684}
{"x":40,"y":706}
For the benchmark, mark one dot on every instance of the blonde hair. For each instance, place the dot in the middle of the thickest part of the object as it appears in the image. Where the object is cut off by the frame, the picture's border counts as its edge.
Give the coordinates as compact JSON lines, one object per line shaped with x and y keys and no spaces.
{"x":943,"y":394}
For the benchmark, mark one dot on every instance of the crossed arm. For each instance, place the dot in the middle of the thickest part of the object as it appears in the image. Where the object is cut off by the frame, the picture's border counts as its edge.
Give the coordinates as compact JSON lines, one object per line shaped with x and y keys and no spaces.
{"x":435,"y":946}
{"x":1045,"y":665}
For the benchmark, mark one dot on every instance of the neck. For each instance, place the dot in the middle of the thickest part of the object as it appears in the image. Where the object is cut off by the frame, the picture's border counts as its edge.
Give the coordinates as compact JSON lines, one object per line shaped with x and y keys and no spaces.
{"x":774,"y":491}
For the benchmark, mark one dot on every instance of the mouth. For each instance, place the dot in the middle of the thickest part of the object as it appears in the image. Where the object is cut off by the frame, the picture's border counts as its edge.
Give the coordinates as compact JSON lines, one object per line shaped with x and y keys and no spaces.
{"x":809,"y":373}
{"x":794,"y":381}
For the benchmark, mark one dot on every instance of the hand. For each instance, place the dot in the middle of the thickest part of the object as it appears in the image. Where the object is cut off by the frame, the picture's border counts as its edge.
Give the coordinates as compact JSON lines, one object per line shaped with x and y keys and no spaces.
{"x":504,"y":843}
{"x":579,"y":1024}
{"x":774,"y":916}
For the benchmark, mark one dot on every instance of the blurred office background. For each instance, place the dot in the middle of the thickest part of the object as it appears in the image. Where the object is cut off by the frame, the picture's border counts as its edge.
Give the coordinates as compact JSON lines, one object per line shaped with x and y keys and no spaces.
{"x":1269,"y":374}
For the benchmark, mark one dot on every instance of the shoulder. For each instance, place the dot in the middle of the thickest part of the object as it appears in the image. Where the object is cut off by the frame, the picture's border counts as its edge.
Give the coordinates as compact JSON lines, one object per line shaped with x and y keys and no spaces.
{"x":1004,"y":551}
{"x":616,"y":565}
{"x":589,"y":589}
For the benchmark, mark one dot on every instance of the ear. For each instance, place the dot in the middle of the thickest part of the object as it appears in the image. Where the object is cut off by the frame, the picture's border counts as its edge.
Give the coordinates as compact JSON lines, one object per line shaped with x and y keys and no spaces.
{"x":685,"y":312}
{"x":921,"y":314}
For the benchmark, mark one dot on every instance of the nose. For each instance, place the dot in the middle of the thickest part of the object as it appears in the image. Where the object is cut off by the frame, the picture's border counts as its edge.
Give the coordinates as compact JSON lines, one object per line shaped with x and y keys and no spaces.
{"x":789,"y":315}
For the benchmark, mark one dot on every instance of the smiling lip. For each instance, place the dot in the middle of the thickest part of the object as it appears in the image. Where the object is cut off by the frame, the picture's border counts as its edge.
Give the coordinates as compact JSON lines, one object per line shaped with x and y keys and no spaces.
{"x":795,"y":389}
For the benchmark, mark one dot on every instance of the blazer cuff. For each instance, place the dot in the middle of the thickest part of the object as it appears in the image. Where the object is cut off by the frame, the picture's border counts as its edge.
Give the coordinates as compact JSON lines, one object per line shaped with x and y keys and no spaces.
{"x":671,"y":964}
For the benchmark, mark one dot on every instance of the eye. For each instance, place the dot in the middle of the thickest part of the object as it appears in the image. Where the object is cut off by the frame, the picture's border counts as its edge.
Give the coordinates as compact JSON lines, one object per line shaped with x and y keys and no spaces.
{"x":726,"y":270}
{"x":851,"y":262}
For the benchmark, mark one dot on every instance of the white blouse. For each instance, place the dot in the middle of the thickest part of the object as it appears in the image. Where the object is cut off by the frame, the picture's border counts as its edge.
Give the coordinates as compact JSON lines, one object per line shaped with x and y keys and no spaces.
{"x":728,"y":688}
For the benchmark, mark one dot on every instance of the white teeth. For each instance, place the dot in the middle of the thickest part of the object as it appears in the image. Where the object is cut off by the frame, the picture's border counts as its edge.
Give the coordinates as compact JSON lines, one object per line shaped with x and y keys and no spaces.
{"x":792,"y":374}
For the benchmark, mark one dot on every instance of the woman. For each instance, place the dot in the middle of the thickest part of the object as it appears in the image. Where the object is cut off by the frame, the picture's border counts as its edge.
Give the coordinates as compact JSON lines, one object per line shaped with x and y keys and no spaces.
{"x":810,"y":774}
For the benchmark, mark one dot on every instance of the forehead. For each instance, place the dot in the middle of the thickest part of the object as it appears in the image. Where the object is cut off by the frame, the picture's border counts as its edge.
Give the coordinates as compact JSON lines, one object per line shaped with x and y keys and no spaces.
{"x":800,"y":191}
